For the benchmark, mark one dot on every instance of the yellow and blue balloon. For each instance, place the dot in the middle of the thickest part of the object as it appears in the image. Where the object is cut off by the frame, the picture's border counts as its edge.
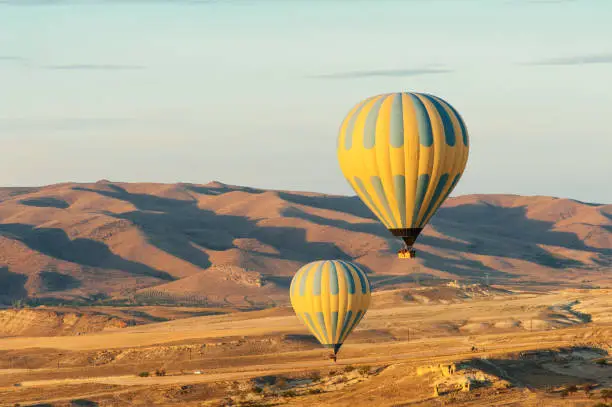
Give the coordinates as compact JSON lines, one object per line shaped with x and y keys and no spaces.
{"x":330,"y":297}
{"x":403,"y":154}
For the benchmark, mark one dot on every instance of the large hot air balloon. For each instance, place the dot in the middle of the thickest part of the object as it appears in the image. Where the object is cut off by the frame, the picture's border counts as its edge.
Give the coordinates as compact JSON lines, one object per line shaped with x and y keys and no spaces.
{"x":403,"y":154}
{"x":330,"y":297}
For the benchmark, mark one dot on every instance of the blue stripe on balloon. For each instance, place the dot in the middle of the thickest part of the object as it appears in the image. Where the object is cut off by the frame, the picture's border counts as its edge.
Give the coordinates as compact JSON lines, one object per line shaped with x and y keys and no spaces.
{"x":321,"y":320}
{"x":464,"y":133}
{"x":452,"y":186}
{"x":334,"y":326}
{"x":312,"y":325}
{"x":449,"y":129}
{"x":354,"y":323}
{"x":316,"y":284}
{"x":363,"y":280}
{"x":348,"y":133}
{"x":399,"y":187}
{"x":369,"y":130}
{"x":380,"y":191}
{"x":350,"y":281}
{"x":345,"y":325}
{"x":333,"y":279}
{"x":396,"y":124}
{"x":368,"y":198}
{"x":304,"y":278}
{"x":423,"y":121}
{"x":421,"y":190}
{"x":438,"y":191}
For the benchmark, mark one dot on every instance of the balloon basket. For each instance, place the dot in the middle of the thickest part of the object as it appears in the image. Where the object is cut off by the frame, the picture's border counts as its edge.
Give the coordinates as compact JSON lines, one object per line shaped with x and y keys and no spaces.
{"x":406,"y":254}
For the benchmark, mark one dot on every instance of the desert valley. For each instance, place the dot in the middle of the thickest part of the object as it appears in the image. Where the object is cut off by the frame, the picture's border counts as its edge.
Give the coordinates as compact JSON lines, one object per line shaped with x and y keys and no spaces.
{"x":177,"y":294}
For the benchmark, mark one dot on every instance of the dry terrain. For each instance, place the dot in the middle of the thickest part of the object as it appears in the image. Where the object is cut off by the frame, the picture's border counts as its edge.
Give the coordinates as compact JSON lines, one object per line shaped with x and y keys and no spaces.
{"x":218,"y":245}
{"x":116,"y":294}
{"x":419,"y":346}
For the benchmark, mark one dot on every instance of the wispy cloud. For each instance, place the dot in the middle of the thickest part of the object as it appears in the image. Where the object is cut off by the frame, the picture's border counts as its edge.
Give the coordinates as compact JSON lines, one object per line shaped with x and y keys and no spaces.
{"x":605,"y":58}
{"x":382,"y":73}
{"x":94,"y":67}
{"x":12,"y":59}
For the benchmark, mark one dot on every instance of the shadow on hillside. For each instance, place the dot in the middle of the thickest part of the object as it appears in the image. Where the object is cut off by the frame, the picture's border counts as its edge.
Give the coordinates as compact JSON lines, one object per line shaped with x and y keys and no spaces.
{"x":12,"y":286}
{"x":609,"y":216}
{"x":482,"y":229}
{"x":347,"y":204}
{"x":369,"y":227}
{"x":545,"y":368}
{"x":182,"y":229}
{"x":85,"y":252}
{"x":306,"y":340}
{"x":45,"y":202}
{"x":505,"y":226}
{"x":49,"y":281}
{"x":179,"y":227}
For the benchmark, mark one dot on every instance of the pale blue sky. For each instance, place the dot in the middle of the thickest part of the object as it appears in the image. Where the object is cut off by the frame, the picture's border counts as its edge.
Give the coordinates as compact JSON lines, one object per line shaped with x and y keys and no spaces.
{"x":252,"y":92}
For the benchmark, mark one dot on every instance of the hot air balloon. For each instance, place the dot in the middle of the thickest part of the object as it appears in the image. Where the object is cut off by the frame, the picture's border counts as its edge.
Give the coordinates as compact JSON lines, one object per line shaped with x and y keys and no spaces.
{"x":330,"y":297}
{"x":403,"y":154}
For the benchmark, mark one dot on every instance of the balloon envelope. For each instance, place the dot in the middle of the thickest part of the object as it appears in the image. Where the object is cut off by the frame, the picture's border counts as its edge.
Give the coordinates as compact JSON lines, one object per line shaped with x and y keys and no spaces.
{"x":403,"y":154}
{"x":330,"y":297}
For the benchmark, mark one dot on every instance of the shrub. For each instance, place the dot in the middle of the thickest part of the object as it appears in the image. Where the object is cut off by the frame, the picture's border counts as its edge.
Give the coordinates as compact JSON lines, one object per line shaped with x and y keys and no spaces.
{"x":315,"y":391}
{"x":257,"y":389}
{"x":601,"y":362}
{"x":364,"y":370}
{"x":349,"y":369}
{"x":160,"y":372}
{"x":315,"y":376}
{"x":290,"y":393}
{"x":572,"y":389}
{"x":143,"y":374}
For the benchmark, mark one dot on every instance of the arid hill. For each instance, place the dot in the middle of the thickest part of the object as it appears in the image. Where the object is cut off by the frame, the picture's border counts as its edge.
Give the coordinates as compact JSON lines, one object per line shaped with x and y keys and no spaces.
{"x":228,"y":245}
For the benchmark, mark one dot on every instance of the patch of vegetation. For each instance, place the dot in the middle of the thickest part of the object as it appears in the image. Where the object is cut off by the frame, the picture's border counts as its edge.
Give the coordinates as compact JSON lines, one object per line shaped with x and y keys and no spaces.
{"x":349,"y":368}
{"x":160,"y":372}
{"x":601,"y":362}
{"x":143,"y":374}
{"x":571,"y":389}
{"x":364,"y":370}
{"x":588,"y":388}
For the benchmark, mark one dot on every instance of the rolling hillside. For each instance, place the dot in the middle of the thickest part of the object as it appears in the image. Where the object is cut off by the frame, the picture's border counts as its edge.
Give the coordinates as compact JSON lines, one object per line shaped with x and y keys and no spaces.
{"x":223,"y":244}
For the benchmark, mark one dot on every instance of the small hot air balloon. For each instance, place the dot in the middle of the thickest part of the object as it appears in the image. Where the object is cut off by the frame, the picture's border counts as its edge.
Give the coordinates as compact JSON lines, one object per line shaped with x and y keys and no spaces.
{"x":330,"y":297}
{"x":403,"y":154}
